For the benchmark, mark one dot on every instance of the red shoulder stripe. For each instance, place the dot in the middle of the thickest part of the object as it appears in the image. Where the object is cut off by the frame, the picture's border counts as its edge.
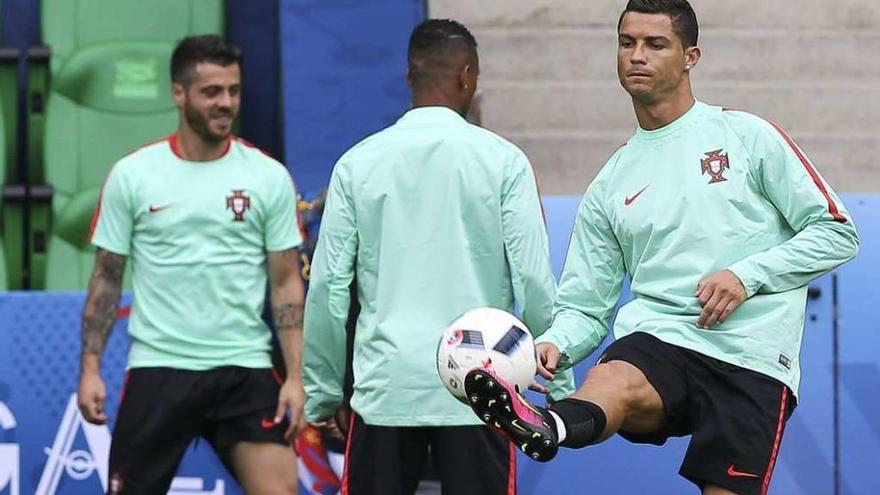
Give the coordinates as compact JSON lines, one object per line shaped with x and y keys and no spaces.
{"x":832,"y":206}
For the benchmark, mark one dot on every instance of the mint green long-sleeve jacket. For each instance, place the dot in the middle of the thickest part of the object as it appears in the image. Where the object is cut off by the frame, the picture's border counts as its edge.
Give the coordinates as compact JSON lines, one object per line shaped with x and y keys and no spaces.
{"x":432,"y":216}
{"x":713,"y":190}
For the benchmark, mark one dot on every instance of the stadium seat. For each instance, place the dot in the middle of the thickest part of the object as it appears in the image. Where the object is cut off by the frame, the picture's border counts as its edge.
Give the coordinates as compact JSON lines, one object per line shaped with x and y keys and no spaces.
{"x":110,"y":93}
{"x":3,"y":275}
{"x":71,"y":25}
{"x":11,"y":211}
{"x":107,"y":100}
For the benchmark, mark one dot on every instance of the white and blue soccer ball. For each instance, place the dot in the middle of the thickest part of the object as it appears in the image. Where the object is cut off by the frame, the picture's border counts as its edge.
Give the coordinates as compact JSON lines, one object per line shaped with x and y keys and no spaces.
{"x":489,"y":338}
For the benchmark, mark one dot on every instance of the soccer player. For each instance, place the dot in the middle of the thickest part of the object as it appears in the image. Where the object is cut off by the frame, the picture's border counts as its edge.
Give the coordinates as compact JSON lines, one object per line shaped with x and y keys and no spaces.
{"x":721,"y":221}
{"x":435,"y":216}
{"x":205,"y":218}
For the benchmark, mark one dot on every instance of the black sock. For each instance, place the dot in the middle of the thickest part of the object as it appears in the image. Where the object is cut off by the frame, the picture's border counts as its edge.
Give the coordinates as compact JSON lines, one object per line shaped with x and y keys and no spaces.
{"x":584,"y":422}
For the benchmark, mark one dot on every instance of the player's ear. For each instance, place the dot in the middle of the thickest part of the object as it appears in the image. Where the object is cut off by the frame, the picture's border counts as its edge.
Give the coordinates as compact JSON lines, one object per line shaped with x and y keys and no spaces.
{"x":467,"y":78}
{"x":691,"y":57}
{"x":178,"y":94}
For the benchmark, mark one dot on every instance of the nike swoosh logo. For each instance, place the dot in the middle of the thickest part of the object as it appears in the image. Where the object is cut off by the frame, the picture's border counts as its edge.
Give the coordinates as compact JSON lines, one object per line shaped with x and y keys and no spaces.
{"x":628,"y":201}
{"x":267,"y":424}
{"x":739,"y":474}
{"x":154,"y":209}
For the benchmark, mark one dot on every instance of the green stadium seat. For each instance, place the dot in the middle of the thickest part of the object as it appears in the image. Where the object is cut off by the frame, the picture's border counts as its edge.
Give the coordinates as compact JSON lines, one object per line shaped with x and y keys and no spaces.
{"x":39,"y":193}
{"x":11,"y":211}
{"x":3,"y":275}
{"x":110,"y":94}
{"x":70,"y":25}
{"x":107,"y":100}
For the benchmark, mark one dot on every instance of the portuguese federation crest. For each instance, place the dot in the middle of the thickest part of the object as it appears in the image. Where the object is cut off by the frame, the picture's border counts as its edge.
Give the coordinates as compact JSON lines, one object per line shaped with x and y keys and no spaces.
{"x":238,"y":202}
{"x":715,"y":164}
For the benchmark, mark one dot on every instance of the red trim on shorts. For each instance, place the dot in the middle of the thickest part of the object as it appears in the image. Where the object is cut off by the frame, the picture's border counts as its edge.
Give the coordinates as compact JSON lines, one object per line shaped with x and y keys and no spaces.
{"x":832,"y":206}
{"x":511,"y":471}
{"x":344,"y":488}
{"x":776,"y":442}
{"x":124,"y":388}
{"x":123,"y":312}
{"x":277,"y":376}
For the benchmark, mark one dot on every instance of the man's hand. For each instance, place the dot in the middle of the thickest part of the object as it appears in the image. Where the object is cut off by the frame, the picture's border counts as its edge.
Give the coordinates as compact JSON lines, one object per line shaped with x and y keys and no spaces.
{"x":342,"y":421}
{"x":719,"y":294}
{"x":548,"y":358}
{"x":338,"y":425}
{"x":291,"y":398}
{"x":91,"y":396}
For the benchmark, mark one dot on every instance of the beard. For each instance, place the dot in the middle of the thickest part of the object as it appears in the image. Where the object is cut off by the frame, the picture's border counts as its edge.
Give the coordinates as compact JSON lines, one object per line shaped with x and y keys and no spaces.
{"x":200,"y":123}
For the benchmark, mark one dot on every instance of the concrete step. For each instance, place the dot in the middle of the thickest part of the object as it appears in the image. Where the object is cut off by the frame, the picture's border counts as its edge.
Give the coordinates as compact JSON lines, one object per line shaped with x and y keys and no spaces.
{"x":602,"y":106}
{"x":779,"y":14}
{"x":529,"y":54}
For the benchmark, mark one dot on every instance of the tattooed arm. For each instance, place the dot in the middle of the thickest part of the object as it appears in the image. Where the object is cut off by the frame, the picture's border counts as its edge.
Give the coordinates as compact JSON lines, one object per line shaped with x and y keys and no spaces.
{"x":99,"y":317}
{"x":287,"y":296}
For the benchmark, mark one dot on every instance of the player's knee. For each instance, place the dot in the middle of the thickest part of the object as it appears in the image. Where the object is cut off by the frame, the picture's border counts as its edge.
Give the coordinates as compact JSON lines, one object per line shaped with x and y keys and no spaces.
{"x":618,"y":376}
{"x":607,"y":375}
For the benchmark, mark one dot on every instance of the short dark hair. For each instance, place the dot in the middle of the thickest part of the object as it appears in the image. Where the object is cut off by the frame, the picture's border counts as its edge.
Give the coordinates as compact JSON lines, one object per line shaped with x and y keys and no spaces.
{"x":680,"y":12}
{"x":193,"y":50}
{"x":434,"y":46}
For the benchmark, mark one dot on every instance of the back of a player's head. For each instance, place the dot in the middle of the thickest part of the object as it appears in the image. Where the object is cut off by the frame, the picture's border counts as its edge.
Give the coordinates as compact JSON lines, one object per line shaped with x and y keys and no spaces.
{"x":680,"y":12}
{"x":194,"y":50}
{"x":438,"y":48}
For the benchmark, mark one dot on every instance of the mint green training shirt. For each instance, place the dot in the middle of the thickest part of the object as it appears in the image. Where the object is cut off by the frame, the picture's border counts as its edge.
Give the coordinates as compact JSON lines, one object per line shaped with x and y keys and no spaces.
{"x":434,"y":216}
{"x":714,"y":190}
{"x":196,"y":234}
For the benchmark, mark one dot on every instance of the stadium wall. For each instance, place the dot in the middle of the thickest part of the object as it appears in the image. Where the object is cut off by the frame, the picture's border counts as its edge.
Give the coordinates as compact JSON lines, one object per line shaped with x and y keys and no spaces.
{"x":549,"y":80}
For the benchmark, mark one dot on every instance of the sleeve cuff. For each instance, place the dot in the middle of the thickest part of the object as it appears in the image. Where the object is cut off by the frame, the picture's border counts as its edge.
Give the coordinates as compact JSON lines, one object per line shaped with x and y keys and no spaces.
{"x":747,"y":277}
{"x":562,"y":386}
{"x":284,"y":246}
{"x":550,"y":337}
{"x":107,"y":246}
{"x":316,"y":410}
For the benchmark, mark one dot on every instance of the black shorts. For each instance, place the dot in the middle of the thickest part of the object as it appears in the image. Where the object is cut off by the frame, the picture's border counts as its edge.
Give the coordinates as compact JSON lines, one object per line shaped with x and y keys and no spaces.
{"x":388,"y":460}
{"x":736,"y":416}
{"x":164,"y":409}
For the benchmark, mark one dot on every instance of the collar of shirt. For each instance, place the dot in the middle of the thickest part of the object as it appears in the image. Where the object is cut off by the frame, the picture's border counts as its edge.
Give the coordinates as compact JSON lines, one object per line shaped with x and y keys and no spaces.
{"x":673,"y":126}
{"x":428,"y":116}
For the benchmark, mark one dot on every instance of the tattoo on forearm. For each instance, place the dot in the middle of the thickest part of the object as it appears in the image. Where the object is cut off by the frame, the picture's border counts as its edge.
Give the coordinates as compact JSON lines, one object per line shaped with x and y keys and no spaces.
{"x":288,"y":317}
{"x":105,"y":287}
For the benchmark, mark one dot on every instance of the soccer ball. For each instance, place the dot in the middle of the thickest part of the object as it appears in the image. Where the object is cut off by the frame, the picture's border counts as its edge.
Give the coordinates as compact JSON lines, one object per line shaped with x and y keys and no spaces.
{"x":489,"y":338}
